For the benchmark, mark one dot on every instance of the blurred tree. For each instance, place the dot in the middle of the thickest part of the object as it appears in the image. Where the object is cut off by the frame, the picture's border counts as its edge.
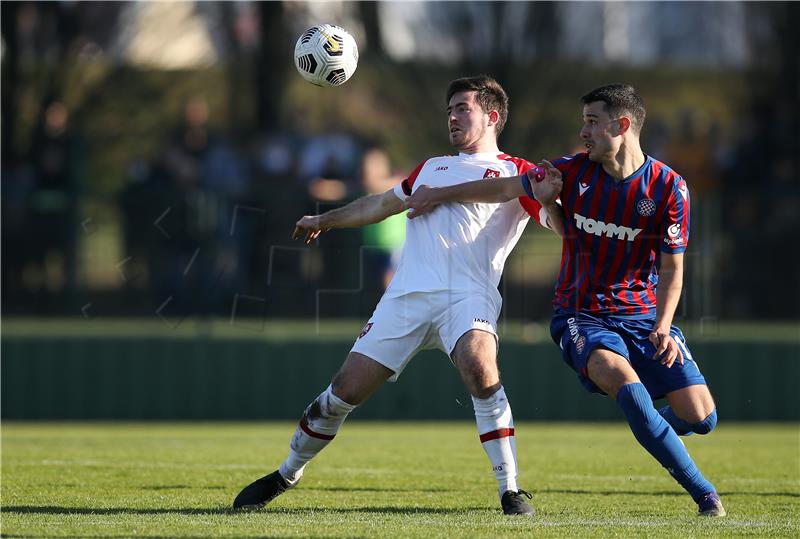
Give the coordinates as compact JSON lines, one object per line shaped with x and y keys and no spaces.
{"x":10,"y":70}
{"x":272,"y":63}
{"x":368,"y":12}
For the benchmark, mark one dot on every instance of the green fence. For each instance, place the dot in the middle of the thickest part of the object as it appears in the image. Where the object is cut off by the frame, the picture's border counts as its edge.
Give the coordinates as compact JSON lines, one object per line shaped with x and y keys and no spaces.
{"x":205,"y":378}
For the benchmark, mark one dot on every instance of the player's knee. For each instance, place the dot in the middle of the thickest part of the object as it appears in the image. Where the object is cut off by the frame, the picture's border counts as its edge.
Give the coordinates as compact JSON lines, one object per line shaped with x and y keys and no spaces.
{"x":610,"y":372}
{"x":707,"y":425}
{"x":480,"y":376}
{"x":344,"y":389}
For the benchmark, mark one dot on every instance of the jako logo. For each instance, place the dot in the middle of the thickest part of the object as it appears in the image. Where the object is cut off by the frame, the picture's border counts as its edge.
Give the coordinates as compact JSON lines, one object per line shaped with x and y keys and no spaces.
{"x":598,"y":228}
{"x":481,"y":321}
{"x":439,"y":168}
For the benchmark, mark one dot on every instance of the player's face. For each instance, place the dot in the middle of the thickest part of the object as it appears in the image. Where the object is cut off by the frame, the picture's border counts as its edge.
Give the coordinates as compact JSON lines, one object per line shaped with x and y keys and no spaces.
{"x":466,"y":121}
{"x":600,"y":133}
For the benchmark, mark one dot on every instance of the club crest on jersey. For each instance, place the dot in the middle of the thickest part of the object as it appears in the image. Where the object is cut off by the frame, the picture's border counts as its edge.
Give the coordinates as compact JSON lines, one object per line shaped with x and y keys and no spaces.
{"x":646,"y":207}
{"x":582,"y":187}
{"x":365,"y":330}
{"x":491,"y":173}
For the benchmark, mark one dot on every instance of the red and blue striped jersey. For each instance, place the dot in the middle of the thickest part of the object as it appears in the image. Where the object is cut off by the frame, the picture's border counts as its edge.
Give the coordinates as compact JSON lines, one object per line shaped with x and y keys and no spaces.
{"x":614,"y":233}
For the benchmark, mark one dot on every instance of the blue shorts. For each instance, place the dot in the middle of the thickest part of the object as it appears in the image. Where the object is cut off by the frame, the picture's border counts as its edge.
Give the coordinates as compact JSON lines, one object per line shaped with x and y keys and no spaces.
{"x":578,"y":334}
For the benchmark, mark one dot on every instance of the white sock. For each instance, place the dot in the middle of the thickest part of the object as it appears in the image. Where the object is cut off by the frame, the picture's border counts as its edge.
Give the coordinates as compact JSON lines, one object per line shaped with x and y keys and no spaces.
{"x":318,"y":426}
{"x":496,"y":429}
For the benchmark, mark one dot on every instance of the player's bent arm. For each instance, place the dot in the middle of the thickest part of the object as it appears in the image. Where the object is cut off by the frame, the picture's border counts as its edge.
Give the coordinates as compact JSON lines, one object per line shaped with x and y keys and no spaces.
{"x":668,"y":294}
{"x":491,"y":191}
{"x":555,"y":218}
{"x":362,"y":211}
{"x":668,"y":290}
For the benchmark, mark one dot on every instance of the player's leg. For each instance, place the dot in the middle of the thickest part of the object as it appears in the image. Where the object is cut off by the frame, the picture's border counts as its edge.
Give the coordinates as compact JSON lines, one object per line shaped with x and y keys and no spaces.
{"x":691,"y":407}
{"x":395,"y":332}
{"x":612,"y":373}
{"x":475,"y":356}
{"x":356,"y":380}
{"x":690,"y":410}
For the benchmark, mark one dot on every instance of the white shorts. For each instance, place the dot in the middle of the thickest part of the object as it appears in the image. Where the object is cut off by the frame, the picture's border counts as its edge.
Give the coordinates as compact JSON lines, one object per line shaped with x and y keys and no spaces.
{"x":402,"y":326}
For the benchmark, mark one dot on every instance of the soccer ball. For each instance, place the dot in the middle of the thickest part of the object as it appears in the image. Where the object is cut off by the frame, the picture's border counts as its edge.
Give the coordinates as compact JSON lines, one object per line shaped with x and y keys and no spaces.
{"x":326,"y":55}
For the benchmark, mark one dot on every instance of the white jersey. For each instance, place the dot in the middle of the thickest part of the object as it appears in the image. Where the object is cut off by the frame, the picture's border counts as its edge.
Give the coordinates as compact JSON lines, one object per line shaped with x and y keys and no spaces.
{"x":461,"y":247}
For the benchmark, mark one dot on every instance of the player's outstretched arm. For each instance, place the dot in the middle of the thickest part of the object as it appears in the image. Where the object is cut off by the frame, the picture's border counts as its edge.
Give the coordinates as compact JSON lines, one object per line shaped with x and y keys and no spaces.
{"x":363,"y":211}
{"x":424,"y":199}
{"x":668,"y":294}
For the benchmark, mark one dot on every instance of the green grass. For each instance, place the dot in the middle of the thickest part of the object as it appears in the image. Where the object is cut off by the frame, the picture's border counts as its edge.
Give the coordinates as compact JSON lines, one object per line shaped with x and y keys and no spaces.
{"x":385,"y":480}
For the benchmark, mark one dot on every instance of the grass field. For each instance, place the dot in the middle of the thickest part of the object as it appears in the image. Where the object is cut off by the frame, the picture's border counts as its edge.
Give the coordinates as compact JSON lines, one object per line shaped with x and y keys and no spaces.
{"x":385,"y":480}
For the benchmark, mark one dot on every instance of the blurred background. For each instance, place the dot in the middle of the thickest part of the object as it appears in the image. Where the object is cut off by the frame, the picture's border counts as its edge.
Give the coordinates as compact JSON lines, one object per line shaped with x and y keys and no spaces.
{"x":156,"y":155}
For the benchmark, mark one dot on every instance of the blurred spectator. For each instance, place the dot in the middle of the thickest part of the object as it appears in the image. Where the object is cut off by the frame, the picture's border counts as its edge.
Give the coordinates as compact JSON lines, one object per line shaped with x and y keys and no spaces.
{"x":52,"y":219}
{"x":282,"y":200}
{"x":328,"y":165}
{"x":203,"y":182}
{"x":760,"y":218}
{"x":690,"y":153}
{"x":383,"y":242}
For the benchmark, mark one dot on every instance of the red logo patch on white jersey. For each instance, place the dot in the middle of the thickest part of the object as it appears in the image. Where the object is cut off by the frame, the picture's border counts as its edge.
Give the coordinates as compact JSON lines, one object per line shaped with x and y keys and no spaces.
{"x":365,"y":330}
{"x":491,"y":173}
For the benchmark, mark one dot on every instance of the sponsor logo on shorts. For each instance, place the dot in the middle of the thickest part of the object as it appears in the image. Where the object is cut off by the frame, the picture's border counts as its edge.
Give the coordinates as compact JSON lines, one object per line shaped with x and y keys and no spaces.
{"x":580,"y":343}
{"x":646,"y":207}
{"x":437,"y":169}
{"x":365,"y":330}
{"x":574,"y":335}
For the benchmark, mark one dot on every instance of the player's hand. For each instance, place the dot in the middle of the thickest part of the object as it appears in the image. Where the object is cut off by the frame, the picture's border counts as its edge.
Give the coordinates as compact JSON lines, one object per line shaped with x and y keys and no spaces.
{"x":421,"y":201}
{"x":667,"y":350}
{"x":547,"y":190}
{"x":310,"y":226}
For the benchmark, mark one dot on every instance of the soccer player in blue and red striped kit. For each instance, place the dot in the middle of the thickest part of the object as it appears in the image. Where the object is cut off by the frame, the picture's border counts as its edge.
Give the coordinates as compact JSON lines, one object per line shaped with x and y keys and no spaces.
{"x":624,"y":219}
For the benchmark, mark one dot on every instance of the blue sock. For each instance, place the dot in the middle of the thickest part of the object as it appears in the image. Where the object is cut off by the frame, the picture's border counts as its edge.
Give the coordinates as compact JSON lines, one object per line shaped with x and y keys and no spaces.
{"x":655,"y":435}
{"x":684,"y":428}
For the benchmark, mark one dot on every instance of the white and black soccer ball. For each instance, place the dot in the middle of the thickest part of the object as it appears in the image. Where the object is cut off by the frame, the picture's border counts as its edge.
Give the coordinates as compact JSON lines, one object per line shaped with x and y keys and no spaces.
{"x":326,"y":55}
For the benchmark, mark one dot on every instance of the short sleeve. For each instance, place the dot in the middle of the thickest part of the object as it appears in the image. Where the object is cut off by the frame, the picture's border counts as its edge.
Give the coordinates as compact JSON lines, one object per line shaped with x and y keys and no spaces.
{"x":404,"y":188}
{"x":675,"y":233}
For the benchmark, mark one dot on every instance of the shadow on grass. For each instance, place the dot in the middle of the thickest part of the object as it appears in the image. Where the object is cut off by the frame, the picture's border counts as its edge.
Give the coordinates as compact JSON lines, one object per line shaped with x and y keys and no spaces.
{"x":180,"y":487}
{"x":657,"y":493}
{"x":377,"y":489}
{"x":55,"y":510}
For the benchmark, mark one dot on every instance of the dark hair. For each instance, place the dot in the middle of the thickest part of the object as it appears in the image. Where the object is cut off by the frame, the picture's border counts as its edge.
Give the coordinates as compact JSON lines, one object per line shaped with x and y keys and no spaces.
{"x":491,"y":96}
{"x":619,"y":100}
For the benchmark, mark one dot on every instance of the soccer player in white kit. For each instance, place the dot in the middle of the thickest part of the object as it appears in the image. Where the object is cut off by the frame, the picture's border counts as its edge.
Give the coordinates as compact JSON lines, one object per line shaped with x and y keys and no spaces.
{"x":444,"y":294}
